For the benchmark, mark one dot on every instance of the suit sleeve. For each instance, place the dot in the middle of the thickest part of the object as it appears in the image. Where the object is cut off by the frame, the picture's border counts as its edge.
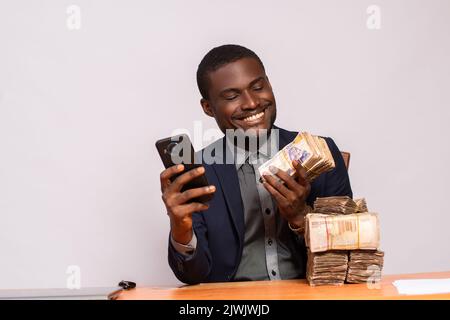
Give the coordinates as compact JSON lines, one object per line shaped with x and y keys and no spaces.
{"x":195,"y":268}
{"x":337,"y":181}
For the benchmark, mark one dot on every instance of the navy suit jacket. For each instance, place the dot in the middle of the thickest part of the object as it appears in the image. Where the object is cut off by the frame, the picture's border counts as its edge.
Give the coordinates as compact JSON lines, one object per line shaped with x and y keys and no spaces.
{"x":220,"y":229}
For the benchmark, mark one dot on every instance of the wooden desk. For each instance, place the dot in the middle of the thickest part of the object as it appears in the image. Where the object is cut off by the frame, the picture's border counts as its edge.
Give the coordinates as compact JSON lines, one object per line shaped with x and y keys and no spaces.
{"x":283,"y":289}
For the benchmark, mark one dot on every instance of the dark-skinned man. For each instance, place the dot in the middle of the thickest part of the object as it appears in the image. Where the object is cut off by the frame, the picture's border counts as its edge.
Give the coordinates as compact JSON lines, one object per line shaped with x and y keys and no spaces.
{"x":252,"y":229}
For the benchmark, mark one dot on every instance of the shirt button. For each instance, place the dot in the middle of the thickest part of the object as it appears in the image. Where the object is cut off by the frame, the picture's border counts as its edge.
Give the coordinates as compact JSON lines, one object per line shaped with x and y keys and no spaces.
{"x":267,"y":211}
{"x":269,"y":242}
{"x":274,"y":273}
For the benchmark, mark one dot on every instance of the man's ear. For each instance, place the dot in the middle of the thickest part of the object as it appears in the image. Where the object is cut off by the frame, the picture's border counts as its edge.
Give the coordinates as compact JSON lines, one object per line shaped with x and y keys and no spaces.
{"x":207,"y":107}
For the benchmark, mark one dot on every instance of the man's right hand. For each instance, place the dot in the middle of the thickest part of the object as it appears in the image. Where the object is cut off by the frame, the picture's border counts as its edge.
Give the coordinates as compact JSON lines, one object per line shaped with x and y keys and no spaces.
{"x":176,"y":202}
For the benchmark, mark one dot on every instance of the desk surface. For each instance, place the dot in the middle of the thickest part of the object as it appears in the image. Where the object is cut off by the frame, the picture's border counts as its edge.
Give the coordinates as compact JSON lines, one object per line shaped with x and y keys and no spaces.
{"x":283,"y":289}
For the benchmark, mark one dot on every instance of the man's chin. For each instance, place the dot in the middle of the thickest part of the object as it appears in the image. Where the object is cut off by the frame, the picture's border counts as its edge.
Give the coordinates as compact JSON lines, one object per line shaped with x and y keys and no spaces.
{"x":252,"y":131}
{"x":255,"y":128}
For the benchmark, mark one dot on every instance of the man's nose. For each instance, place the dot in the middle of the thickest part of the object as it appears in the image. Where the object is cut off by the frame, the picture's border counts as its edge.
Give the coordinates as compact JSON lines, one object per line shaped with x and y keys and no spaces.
{"x":250,"y":101}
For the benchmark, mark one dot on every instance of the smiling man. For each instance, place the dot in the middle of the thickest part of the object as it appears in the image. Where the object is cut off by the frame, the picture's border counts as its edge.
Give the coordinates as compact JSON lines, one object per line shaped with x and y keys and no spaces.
{"x":252,"y":229}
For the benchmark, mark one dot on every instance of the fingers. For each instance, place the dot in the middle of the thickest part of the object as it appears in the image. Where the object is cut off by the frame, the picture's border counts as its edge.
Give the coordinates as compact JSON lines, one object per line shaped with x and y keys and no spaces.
{"x":176,"y":202}
{"x":174,"y":199}
{"x":292,"y":189}
{"x":279,"y":198}
{"x":278,"y":185}
{"x":284,"y":176}
{"x":194,"y":193}
{"x":169,"y":173}
{"x":180,"y":181}
{"x":301,"y":173}
{"x":180,"y":212}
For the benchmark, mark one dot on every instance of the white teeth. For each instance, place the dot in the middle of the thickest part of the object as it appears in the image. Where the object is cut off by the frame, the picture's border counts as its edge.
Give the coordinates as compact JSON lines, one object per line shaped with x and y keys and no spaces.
{"x":254,"y":117}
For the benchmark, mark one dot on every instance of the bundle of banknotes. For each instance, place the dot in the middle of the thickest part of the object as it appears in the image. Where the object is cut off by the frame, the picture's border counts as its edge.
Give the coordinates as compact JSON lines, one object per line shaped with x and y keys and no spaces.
{"x":364,"y":266}
{"x":310,"y":151}
{"x":342,"y":226}
{"x":335,"y":205}
{"x":340,"y":205}
{"x":325,"y":232}
{"x":327,"y":268}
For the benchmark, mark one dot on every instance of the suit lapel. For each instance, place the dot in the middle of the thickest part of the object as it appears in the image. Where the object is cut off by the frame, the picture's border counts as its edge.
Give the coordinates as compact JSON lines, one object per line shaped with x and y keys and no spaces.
{"x":285,"y":136}
{"x":229,"y":181}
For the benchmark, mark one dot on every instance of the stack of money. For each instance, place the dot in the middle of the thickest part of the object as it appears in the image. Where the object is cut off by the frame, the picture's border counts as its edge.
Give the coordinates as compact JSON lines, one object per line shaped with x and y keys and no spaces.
{"x":342,"y":235}
{"x":310,"y":151}
{"x":335,"y":205}
{"x":341,"y":227}
{"x":327,"y":268}
{"x":364,"y":266}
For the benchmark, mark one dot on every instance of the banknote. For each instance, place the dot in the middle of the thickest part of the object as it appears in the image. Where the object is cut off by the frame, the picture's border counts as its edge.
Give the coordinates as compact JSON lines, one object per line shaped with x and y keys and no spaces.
{"x":310,"y":151}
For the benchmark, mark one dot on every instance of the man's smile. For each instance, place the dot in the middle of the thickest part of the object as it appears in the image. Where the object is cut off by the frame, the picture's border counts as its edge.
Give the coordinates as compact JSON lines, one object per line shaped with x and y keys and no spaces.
{"x":253,"y":118}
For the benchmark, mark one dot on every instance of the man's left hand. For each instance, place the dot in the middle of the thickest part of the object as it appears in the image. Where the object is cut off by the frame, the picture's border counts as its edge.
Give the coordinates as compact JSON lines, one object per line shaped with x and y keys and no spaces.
{"x":290,"y":195}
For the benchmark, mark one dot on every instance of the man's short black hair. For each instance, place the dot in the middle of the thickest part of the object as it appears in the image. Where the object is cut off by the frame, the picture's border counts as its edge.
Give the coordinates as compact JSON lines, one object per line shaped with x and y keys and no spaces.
{"x":218,"y":57}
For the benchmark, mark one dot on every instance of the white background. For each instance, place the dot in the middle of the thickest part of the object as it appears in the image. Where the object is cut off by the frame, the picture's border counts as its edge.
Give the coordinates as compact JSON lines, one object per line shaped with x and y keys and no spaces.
{"x":80,"y":111}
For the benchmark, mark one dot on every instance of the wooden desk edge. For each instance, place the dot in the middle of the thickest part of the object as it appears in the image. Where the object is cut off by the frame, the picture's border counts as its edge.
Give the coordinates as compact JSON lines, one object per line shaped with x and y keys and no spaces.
{"x":285,"y":290}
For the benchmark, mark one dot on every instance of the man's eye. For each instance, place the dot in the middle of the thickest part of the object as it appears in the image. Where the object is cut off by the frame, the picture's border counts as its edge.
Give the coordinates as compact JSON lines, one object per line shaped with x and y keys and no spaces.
{"x":258,"y":88}
{"x":231,"y":97}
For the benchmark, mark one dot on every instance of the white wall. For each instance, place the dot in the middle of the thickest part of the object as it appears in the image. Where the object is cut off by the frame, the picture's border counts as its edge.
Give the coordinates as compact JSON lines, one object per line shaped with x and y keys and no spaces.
{"x":80,"y":111}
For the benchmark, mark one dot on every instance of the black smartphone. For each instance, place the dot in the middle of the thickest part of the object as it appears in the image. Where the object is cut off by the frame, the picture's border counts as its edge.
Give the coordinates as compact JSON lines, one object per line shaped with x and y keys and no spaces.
{"x":179,"y":150}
